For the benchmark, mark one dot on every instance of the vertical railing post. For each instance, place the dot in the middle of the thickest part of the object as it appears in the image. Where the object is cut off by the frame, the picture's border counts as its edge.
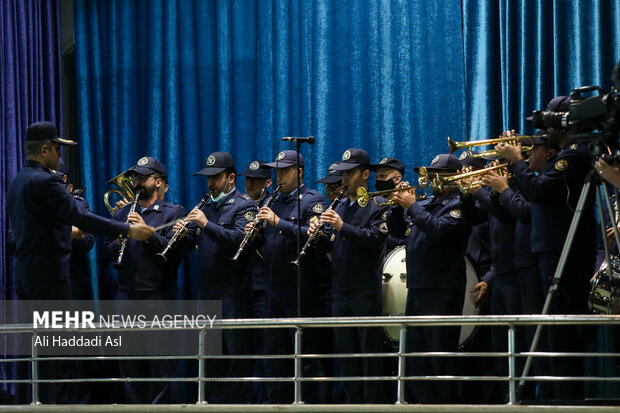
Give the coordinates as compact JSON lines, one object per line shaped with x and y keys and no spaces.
{"x":298,"y":365}
{"x":402,"y":346}
{"x":512,"y":369}
{"x":201,"y":367}
{"x":35,"y":370}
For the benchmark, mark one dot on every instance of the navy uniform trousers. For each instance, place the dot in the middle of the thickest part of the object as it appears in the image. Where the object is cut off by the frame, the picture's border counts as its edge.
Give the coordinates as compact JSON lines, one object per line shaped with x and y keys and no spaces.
{"x":142,"y":277}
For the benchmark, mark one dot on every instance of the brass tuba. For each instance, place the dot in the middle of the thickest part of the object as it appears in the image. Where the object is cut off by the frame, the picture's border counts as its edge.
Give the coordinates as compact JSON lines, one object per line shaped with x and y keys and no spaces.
{"x":123,"y":181}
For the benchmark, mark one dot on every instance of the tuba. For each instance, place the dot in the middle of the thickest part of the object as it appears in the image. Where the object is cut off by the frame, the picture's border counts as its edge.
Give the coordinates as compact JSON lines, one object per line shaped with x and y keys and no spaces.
{"x":123,"y":181}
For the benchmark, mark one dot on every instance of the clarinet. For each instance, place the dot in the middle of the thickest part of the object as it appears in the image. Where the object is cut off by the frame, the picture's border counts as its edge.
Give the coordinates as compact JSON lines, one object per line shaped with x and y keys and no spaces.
{"x":118,"y":264}
{"x":251,"y":232}
{"x":161,"y":256}
{"x":313,"y":237}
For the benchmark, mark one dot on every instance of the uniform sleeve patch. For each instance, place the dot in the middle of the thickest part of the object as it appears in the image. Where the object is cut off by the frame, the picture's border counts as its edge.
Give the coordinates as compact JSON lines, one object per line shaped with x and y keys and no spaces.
{"x":318,"y":208}
{"x":456,"y":213}
{"x":249,"y":216}
{"x":561,"y":165}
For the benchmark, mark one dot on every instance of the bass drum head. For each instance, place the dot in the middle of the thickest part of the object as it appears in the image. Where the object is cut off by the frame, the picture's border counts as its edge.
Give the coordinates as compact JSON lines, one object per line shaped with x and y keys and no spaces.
{"x":394,"y":288}
{"x":395,"y":293}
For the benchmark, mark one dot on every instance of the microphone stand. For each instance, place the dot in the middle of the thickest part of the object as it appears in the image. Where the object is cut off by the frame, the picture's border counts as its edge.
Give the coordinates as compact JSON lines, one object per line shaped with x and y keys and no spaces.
{"x":297,"y":149}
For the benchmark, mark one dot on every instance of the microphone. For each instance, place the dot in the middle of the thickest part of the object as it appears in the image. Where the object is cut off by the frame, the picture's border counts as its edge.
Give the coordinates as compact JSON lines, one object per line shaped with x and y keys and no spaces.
{"x":306,"y":139}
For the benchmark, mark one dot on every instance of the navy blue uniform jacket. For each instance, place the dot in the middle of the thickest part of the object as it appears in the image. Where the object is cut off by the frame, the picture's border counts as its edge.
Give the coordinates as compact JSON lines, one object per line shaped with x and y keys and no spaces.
{"x":436,"y":246}
{"x":42,"y":212}
{"x":359,"y":247}
{"x":280,"y":242}
{"x":140,"y":269}
{"x":553,"y":196}
{"x":220,"y":239}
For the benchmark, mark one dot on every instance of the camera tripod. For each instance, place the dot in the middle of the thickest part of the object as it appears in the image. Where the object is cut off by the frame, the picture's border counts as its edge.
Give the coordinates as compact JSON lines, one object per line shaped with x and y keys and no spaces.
{"x":592,"y":180}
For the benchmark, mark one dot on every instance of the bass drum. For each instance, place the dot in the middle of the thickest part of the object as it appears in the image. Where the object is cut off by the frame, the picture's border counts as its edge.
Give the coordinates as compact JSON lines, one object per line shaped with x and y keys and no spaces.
{"x":395,"y":293}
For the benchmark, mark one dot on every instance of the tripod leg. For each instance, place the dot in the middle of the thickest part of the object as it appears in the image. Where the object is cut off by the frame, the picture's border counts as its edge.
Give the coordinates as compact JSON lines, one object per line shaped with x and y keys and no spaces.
{"x":558,"y":274}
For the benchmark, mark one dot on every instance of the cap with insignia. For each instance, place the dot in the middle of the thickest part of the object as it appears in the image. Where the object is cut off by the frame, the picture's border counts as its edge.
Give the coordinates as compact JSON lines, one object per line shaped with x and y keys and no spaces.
{"x":352,"y":158}
{"x":389,"y":163}
{"x":44,"y":130}
{"x":333,"y":176}
{"x":285,"y":159}
{"x":216,"y":163}
{"x":443,"y":163}
{"x":257,"y":169}
{"x":475,"y":162}
{"x":148,"y":165}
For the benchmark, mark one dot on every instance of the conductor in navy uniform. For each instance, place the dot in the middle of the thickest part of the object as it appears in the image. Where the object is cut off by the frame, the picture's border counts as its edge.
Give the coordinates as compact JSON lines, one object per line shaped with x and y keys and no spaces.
{"x":45,"y":218}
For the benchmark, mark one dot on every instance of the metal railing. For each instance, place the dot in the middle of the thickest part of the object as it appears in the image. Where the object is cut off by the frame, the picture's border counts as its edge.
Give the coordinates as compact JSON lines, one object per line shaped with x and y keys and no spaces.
{"x":299,"y":324}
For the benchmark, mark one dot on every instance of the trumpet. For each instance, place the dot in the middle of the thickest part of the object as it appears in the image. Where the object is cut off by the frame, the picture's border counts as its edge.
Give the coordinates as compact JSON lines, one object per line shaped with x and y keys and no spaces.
{"x":364,"y":196}
{"x":119,"y":261}
{"x":161,"y":256}
{"x":126,"y":189}
{"x":455,"y":146}
{"x":251,"y":233}
{"x":312,"y":238}
{"x":456,"y":181}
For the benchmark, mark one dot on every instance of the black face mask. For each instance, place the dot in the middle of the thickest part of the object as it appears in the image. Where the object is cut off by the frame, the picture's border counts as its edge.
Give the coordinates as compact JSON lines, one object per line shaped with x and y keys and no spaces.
{"x":385,"y":185}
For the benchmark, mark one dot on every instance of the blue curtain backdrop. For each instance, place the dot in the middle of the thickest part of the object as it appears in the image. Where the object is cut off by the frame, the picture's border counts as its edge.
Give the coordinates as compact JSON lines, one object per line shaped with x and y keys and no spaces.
{"x":181,"y":79}
{"x":29,"y":91}
{"x":520,"y":54}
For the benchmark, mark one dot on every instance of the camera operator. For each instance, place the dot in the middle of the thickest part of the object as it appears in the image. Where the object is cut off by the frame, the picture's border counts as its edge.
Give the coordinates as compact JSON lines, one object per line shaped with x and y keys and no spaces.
{"x":553,"y":195}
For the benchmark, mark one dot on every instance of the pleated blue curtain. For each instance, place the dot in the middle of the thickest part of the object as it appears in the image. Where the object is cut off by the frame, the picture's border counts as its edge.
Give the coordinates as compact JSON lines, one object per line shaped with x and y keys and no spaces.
{"x":520,"y":54}
{"x":181,"y":79}
{"x":30,"y":90}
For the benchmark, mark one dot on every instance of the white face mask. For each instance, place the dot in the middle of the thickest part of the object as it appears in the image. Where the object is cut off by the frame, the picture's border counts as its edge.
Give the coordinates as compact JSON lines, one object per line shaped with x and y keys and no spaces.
{"x":222,"y":194}
{"x":219,"y":197}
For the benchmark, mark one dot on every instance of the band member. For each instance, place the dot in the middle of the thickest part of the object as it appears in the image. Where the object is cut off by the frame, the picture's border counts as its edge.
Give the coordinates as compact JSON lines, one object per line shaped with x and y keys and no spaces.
{"x":45,"y":218}
{"x":358,"y":246}
{"x":257,"y":184}
{"x":217,"y":228}
{"x":435,"y":276}
{"x":478,"y":245}
{"x":141,"y":276}
{"x":553,"y":196}
{"x":390,"y":172}
{"x":333,"y":186}
{"x":332,"y":181}
{"x":81,"y":286}
{"x":279,"y":251}
{"x":513,"y":279}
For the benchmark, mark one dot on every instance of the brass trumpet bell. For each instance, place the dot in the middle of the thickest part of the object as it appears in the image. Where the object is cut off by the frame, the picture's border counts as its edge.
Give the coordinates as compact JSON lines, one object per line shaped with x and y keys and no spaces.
{"x":456,"y":181}
{"x":455,"y":146}
{"x":364,"y":196}
{"x":125,"y":185}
